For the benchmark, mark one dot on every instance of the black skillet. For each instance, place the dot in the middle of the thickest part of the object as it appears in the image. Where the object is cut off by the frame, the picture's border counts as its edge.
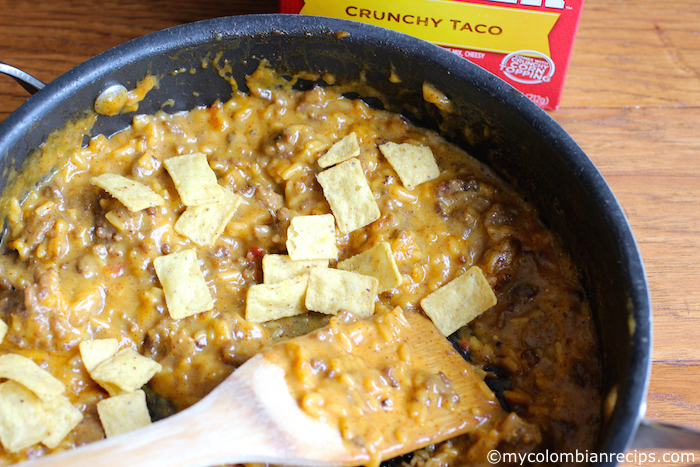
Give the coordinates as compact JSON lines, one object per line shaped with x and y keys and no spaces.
{"x":523,"y":144}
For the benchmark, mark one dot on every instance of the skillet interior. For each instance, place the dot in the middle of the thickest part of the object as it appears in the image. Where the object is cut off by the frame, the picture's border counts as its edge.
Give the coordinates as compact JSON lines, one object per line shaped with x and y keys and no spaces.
{"x":503,"y":129}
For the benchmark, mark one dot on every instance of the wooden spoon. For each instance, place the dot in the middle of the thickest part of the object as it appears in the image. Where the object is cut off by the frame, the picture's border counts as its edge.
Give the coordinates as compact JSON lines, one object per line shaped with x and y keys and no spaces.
{"x":253,"y":417}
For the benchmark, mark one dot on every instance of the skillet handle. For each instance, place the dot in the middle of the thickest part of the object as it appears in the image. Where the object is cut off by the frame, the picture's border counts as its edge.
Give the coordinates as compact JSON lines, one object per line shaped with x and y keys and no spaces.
{"x":652,"y":435}
{"x":28,"y":82}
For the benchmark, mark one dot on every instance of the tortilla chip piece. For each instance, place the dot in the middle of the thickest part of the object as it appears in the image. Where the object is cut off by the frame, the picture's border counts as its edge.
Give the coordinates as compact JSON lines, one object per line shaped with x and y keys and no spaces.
{"x":332,"y":290}
{"x":347,"y":191}
{"x":134,"y":195}
{"x":460,"y":301}
{"x":194,"y":180}
{"x":268,"y":302}
{"x":312,"y":237}
{"x":3,"y":330}
{"x":414,"y":164}
{"x":31,"y":376}
{"x":61,"y":418}
{"x":278,"y":268}
{"x":345,"y":149}
{"x":126,"y":371}
{"x":203,"y":224}
{"x":186,"y":292}
{"x":97,"y":351}
{"x":121,"y":414}
{"x":377,"y":262}
{"x":22,"y":417}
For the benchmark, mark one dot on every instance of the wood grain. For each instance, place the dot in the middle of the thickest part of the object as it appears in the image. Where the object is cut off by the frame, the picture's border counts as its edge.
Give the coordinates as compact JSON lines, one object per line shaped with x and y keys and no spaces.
{"x":636,"y":53}
{"x":47,"y":38}
{"x":649,"y":157}
{"x":631,"y":100}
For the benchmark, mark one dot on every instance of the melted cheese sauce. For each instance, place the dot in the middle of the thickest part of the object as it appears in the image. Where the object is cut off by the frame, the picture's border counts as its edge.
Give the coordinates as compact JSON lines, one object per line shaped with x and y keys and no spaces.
{"x":76,"y":265}
{"x":359,"y":376}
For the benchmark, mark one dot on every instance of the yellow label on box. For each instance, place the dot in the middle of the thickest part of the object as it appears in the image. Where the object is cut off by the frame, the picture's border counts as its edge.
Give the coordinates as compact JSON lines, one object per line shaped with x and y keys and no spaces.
{"x":448,"y":22}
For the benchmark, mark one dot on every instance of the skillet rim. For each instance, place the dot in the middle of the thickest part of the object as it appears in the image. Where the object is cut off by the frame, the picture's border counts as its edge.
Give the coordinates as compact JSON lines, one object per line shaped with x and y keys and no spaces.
{"x":631,"y":396}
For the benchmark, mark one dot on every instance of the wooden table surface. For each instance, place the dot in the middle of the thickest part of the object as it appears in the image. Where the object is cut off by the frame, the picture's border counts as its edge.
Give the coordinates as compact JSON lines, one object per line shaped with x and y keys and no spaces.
{"x":631,"y":100}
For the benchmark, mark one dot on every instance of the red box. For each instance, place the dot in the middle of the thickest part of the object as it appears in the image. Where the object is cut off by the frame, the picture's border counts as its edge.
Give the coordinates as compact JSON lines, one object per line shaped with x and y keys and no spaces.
{"x":527,"y":43}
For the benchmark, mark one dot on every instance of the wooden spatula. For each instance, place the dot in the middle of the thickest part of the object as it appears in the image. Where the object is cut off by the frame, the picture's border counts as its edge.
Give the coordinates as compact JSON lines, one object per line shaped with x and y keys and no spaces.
{"x":253,"y":417}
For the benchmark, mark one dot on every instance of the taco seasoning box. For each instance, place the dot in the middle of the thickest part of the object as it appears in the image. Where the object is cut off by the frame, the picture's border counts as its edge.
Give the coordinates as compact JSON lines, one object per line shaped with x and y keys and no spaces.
{"x":525,"y":42}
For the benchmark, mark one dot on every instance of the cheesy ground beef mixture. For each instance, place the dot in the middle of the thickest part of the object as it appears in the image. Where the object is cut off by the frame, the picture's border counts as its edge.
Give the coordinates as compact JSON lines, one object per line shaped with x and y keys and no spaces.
{"x":77,"y":265}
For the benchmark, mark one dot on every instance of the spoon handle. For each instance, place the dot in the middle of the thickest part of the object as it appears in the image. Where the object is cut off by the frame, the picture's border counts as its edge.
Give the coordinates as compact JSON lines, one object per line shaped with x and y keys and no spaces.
{"x":207,"y":433}
{"x":652,"y":435}
{"x":249,"y":417}
{"x":28,"y":82}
